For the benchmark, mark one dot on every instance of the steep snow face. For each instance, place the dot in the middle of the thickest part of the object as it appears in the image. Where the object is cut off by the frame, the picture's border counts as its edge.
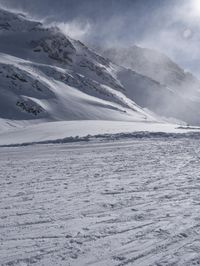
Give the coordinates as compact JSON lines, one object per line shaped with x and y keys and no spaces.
{"x":177,"y":93}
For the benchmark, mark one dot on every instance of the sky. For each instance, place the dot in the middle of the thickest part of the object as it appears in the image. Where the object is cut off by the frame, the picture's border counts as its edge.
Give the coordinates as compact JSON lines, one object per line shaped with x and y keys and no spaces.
{"x":170,"y":26}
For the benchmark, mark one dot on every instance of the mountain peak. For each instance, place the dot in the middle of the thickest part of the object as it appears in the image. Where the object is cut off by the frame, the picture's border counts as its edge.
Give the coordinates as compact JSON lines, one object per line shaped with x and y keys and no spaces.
{"x":13,"y":21}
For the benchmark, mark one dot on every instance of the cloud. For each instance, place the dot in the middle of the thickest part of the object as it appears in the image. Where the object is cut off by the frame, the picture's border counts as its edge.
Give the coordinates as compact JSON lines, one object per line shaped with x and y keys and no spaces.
{"x":75,"y":29}
{"x":171,"y":26}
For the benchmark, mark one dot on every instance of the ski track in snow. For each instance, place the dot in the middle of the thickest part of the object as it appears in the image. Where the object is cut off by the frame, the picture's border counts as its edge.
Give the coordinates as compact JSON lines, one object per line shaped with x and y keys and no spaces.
{"x":117,"y":203}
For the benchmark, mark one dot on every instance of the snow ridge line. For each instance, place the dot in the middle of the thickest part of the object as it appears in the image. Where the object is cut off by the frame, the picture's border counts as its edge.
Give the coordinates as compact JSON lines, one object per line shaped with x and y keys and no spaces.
{"x":112,"y":137}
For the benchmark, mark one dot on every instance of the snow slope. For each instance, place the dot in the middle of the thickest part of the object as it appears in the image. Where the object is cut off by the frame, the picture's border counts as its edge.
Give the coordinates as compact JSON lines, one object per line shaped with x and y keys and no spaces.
{"x":35,"y":91}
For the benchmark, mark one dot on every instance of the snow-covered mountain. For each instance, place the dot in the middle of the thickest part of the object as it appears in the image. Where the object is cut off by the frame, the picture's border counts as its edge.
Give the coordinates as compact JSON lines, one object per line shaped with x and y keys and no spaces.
{"x":46,"y":75}
{"x":179,"y":95}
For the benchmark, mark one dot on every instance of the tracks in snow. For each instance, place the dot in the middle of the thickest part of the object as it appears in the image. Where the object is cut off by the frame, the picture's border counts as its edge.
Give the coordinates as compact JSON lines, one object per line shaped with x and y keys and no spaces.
{"x":131,"y":203}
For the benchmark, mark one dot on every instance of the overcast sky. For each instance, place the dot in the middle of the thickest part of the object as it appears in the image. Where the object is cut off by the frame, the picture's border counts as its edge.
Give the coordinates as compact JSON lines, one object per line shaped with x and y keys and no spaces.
{"x":171,"y":26}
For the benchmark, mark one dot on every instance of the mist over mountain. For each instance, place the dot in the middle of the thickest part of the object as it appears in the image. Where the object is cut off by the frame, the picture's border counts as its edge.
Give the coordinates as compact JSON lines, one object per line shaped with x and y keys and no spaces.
{"x":182,"y":89}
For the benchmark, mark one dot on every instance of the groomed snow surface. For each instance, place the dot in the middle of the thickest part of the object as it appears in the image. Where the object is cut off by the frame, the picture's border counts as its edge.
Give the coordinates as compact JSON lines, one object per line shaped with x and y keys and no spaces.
{"x":123,"y":202}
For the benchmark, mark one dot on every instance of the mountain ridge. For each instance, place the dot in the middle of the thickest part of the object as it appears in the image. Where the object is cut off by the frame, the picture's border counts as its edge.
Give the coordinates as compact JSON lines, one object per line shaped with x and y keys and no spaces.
{"x":48,"y":76}
{"x":41,"y":67}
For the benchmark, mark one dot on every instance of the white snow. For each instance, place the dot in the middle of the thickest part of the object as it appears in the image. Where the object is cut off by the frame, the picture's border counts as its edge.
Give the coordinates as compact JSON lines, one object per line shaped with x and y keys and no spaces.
{"x":102,"y":204}
{"x":52,"y":131}
{"x":124,"y":191}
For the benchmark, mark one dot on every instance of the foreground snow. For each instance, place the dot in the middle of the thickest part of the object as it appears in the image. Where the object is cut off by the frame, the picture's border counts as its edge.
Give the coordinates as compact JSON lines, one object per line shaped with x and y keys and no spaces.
{"x":65,"y":131}
{"x":122,"y":203}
